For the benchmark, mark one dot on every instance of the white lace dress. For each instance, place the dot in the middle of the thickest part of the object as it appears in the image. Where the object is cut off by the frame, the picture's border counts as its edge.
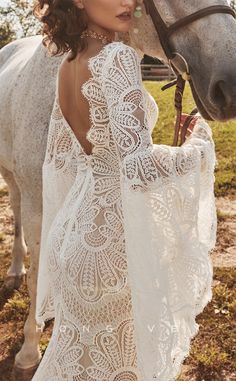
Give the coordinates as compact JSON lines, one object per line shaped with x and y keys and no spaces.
{"x":124,"y":258}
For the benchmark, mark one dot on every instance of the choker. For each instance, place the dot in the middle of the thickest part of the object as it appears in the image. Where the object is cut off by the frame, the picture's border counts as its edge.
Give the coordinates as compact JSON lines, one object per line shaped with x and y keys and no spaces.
{"x":98,"y":36}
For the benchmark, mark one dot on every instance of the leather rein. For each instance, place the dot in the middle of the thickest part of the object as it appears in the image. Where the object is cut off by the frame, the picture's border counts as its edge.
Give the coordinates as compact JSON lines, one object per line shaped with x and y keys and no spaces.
{"x":164,"y":32}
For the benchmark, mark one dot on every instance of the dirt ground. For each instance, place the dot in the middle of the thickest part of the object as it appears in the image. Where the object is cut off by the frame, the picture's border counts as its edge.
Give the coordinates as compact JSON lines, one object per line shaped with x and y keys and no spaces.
{"x":224,"y":255}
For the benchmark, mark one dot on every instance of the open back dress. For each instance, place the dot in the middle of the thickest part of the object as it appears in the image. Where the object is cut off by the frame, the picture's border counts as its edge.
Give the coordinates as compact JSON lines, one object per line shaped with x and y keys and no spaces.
{"x":124,"y":262}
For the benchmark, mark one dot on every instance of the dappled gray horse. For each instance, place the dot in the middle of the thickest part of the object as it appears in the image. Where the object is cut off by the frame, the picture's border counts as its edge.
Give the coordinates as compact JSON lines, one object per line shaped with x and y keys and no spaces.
{"x":27,"y":83}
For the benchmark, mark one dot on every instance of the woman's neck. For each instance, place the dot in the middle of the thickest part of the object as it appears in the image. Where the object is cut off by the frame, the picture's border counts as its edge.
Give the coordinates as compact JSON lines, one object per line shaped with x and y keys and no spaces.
{"x":105,"y":32}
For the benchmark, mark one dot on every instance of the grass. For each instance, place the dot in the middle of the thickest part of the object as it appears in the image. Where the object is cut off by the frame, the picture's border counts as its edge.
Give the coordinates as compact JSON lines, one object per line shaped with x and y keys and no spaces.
{"x":224,"y":135}
{"x":14,"y":308}
{"x":3,"y":191}
{"x":213,"y":352}
{"x":222,"y":216}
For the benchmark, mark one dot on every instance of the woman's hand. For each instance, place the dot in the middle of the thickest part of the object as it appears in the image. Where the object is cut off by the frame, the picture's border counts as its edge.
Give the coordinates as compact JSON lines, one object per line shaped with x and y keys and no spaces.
{"x":191,"y":125}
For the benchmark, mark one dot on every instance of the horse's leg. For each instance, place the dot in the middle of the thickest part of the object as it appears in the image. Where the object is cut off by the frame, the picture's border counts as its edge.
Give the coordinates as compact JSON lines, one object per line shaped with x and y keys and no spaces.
{"x":16,"y":271}
{"x":30,"y":355}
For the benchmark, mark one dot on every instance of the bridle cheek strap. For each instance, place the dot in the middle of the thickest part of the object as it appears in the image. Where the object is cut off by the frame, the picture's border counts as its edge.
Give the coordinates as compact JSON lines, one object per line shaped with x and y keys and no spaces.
{"x":164,"y":32}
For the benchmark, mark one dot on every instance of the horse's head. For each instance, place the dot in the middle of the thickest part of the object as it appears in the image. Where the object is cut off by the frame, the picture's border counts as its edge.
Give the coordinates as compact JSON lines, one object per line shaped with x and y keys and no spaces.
{"x":208,"y":45}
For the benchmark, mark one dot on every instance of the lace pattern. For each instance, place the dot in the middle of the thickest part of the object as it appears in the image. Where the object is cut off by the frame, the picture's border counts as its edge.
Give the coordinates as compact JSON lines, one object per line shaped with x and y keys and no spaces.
{"x":124,"y":265}
{"x":169,"y":220}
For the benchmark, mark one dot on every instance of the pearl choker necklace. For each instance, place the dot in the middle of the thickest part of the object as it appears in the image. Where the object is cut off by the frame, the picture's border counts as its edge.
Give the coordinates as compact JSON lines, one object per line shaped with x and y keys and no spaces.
{"x":98,"y":36}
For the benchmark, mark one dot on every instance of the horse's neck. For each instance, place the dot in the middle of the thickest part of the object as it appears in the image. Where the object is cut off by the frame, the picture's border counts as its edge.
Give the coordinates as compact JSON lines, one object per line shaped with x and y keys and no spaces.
{"x":146,"y":41}
{"x":172,"y":11}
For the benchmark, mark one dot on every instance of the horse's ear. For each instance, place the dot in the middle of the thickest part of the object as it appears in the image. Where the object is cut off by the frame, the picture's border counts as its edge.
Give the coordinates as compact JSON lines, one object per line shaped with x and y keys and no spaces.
{"x":146,"y":4}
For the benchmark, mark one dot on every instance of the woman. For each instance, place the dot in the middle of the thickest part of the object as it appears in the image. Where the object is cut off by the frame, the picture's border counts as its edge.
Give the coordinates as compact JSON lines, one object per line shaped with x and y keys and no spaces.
{"x":124,"y":266}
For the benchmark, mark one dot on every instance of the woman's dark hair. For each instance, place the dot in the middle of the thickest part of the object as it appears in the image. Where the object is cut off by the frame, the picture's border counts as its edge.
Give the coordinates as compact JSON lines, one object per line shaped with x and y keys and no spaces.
{"x":63,"y":23}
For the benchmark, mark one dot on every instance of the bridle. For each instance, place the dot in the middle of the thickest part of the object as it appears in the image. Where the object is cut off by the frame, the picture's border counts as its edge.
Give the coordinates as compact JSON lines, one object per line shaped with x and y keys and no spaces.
{"x":164,"y":32}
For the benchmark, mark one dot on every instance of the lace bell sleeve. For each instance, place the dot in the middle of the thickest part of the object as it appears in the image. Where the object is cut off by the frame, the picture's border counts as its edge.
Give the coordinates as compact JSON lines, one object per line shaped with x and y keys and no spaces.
{"x":143,"y":162}
{"x":169,"y":221}
{"x":58,"y":175}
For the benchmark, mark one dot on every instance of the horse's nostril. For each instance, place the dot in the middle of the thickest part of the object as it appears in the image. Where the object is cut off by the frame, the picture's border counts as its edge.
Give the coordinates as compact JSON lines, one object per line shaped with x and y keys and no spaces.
{"x":220,"y":94}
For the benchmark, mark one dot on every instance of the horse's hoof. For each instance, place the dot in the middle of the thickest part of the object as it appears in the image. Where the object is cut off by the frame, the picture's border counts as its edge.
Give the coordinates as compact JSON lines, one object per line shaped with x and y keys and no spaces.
{"x":20,"y":374}
{"x":13,"y":282}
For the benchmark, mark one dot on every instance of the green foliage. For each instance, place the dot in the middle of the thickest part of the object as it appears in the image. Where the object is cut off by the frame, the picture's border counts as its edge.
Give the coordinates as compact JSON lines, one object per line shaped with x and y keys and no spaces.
{"x":210,"y":355}
{"x":43,"y":344}
{"x":224,"y":135}
{"x":17,"y":303}
{"x":15,"y":308}
{"x":6,"y":33}
{"x":17,"y":20}
{"x":3,"y":191}
{"x":222,"y":216}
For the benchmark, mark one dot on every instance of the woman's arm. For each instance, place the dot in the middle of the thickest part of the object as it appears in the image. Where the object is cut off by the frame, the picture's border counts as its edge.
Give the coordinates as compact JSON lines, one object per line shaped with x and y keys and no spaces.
{"x":143,"y":162}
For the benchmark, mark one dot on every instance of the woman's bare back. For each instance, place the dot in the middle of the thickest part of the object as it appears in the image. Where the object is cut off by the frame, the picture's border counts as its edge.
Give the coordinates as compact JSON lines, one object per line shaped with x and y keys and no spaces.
{"x":74,"y":106}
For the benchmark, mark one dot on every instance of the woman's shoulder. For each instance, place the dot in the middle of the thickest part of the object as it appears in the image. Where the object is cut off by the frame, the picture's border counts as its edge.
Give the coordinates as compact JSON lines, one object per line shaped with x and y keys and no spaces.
{"x":120,"y":49}
{"x":120,"y":45}
{"x":120,"y":66}
{"x":120,"y":57}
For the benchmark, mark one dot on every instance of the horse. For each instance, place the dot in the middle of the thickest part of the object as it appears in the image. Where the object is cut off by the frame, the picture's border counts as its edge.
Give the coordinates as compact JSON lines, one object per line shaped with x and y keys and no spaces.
{"x":27,"y":82}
